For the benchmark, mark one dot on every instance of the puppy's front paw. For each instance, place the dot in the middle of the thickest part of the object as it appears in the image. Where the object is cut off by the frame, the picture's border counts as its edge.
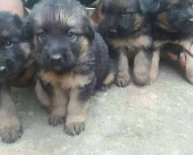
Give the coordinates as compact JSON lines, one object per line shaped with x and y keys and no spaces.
{"x":141,"y":77}
{"x":74,"y":129}
{"x":189,"y":75}
{"x":56,"y":120}
{"x":122,"y":79}
{"x":12,"y":133}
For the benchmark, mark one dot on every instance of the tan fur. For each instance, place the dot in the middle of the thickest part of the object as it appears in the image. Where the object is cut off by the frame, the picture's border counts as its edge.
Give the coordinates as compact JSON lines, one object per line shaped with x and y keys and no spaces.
{"x":189,"y":68}
{"x":123,"y":77}
{"x":42,"y":96}
{"x":97,"y":14}
{"x":141,"y":68}
{"x":9,"y":121}
{"x":84,"y":45}
{"x":186,"y":44}
{"x":142,"y":41}
{"x":25,"y":47}
{"x":76,"y":111}
{"x":59,"y":102}
{"x":162,"y":21}
{"x":154,"y":66}
{"x":65,"y":81}
{"x":138,"y":21}
{"x":109,"y":79}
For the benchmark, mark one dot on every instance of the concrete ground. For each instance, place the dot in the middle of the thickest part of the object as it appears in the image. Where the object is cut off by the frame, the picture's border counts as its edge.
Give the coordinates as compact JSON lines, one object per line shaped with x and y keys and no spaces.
{"x":152,"y":120}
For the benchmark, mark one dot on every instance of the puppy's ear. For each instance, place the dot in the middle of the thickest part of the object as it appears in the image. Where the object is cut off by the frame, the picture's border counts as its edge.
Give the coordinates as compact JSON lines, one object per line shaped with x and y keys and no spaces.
{"x":18,"y":21}
{"x":97,"y":14}
{"x":88,"y":29}
{"x":149,"y":6}
{"x":27,"y":30}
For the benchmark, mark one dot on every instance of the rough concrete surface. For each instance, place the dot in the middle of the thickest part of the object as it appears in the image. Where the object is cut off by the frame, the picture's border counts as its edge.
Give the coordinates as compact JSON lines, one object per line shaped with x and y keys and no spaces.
{"x":152,"y":120}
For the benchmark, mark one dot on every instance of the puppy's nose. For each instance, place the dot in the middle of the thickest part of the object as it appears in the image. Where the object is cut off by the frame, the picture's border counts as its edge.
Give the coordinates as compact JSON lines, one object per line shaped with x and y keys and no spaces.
{"x":112,"y":31}
{"x":3,"y":70}
{"x":56,"y":58}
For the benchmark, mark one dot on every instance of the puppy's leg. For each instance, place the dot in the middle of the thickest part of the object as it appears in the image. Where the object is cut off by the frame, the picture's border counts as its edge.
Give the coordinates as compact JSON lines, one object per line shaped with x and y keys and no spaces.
{"x":77,"y":109}
{"x":188,"y":46}
{"x":189,"y":67}
{"x":42,"y":95}
{"x":123,"y":76}
{"x":10,"y":127}
{"x":110,"y":77}
{"x":141,"y":68}
{"x":59,"y":104}
{"x":154,"y":69}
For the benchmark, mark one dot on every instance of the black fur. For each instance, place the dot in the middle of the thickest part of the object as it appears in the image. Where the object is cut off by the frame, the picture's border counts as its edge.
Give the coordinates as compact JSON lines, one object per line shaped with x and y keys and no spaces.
{"x":172,"y":28}
{"x":122,"y":21}
{"x":119,"y":18}
{"x":179,"y":17}
{"x":13,"y":61}
{"x":11,"y":55}
{"x":67,"y":47}
{"x":57,"y":38}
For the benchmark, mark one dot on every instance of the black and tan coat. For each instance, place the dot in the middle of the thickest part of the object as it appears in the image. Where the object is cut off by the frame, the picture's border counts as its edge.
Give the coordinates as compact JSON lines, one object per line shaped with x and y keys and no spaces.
{"x":73,"y":61}
{"x":126,"y":29}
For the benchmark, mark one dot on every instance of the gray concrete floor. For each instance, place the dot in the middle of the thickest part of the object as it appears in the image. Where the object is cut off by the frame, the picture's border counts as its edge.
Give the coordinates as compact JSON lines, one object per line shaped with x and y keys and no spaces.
{"x":152,"y":120}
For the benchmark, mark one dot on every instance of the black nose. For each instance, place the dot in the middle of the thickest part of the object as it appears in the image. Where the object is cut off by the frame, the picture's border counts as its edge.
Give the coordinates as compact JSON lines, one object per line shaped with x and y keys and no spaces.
{"x":56,"y":58}
{"x":112,"y":31}
{"x":3,"y":71}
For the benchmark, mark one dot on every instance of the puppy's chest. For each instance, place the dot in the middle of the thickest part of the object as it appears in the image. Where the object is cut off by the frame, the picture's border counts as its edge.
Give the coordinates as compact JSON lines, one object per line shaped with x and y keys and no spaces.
{"x":67,"y":81}
{"x":133,"y":44}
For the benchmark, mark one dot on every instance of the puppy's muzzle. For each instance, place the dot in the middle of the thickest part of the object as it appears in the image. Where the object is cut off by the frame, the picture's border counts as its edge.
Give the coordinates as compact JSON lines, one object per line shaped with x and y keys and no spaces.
{"x":112,"y":31}
{"x":6,"y":68}
{"x":56,"y":58}
{"x":3,"y":71}
{"x":119,"y":31}
{"x":60,"y":61}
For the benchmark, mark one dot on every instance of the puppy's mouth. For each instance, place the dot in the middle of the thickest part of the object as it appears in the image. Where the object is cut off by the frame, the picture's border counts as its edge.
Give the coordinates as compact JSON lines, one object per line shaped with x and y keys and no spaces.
{"x":117,"y":32}
{"x":59,"y":67}
{"x":62,"y":68}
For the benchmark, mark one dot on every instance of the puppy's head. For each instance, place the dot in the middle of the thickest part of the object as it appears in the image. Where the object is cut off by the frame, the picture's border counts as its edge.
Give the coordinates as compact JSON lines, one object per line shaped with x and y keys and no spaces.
{"x":118,"y":18}
{"x":11,"y":50}
{"x":175,"y":15}
{"x":61,"y":32}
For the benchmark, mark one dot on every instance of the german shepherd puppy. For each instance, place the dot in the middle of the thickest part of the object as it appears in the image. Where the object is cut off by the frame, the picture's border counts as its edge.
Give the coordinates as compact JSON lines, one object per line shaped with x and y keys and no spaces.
{"x":126,"y":29}
{"x":73,"y":61}
{"x":173,"y":26}
{"x":14,"y":55}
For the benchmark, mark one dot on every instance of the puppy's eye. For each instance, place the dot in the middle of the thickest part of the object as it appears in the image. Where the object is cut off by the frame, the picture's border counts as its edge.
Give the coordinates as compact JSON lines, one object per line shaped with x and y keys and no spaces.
{"x":41,"y":36}
{"x":8,"y":44}
{"x":71,"y":35}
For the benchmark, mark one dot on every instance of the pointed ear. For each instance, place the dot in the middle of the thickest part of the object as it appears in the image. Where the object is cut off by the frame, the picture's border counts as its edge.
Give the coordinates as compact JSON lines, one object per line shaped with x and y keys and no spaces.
{"x":18,"y":21}
{"x":97,"y":14}
{"x":149,"y":6}
{"x":88,"y":29}
{"x":27,"y":30}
